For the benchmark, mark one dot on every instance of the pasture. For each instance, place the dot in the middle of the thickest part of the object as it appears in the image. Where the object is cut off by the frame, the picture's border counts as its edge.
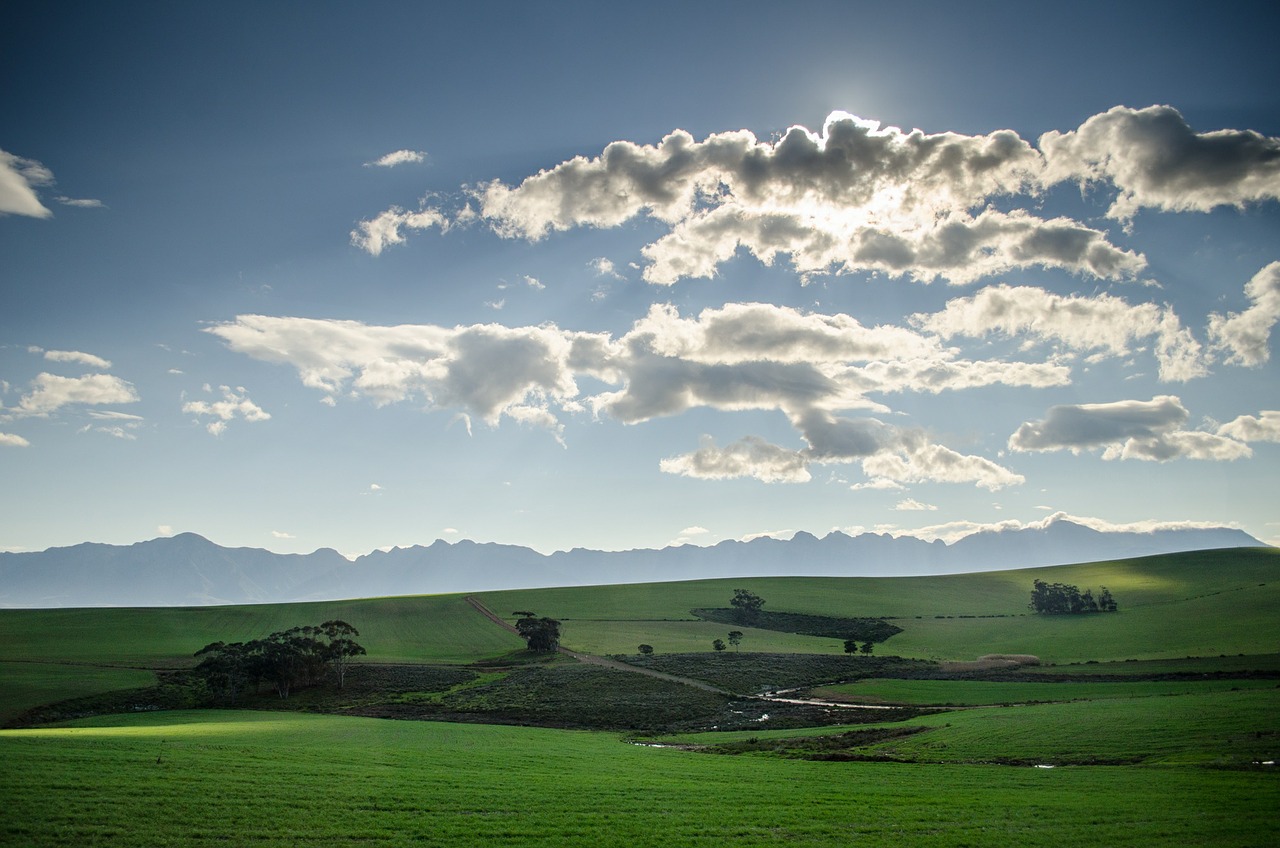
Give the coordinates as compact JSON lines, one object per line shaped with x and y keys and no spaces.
{"x":188,"y":779}
{"x":1157,"y":720}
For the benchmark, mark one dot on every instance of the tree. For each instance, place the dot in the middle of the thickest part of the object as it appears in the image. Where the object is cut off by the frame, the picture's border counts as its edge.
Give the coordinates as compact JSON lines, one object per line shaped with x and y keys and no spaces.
{"x":866,"y":647}
{"x":735,"y":638}
{"x":225,"y":669}
{"x":850,"y":646}
{"x":1064,"y":599}
{"x":747,"y":604}
{"x":646,"y":649}
{"x":341,"y":648}
{"x":718,"y":644}
{"x":540,"y":634}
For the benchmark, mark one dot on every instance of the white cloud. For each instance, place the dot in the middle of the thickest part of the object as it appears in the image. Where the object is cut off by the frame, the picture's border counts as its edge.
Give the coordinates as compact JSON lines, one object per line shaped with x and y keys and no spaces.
{"x":383,"y":231}
{"x":234,"y":404}
{"x":398,"y":157}
{"x":1130,"y":429}
{"x":81,"y":202}
{"x":51,"y":392}
{"x":164,"y":530}
{"x":1100,"y":323}
{"x":1157,"y":161}
{"x":1247,"y":428}
{"x":953,"y":531}
{"x":19,"y":178}
{"x":748,"y":457}
{"x":878,"y":484}
{"x":913,"y":505}
{"x":855,"y":197}
{"x":282,"y":535}
{"x":12,"y":440}
{"x":76,"y":356}
{"x":534,"y":283}
{"x":738,"y":357}
{"x":1246,"y":335}
{"x":604,"y":268}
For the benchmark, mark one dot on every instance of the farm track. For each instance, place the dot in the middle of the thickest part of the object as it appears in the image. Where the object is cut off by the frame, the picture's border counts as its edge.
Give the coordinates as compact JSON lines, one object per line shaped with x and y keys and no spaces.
{"x":594,"y":659}
{"x":605,"y":662}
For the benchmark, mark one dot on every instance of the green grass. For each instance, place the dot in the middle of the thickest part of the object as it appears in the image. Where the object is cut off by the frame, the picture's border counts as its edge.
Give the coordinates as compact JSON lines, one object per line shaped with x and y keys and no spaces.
{"x":1194,"y":604}
{"x":188,"y":779}
{"x":24,"y":685}
{"x":432,"y":628}
{"x":982,"y":692}
{"x":1208,"y":728}
{"x":1201,"y":604}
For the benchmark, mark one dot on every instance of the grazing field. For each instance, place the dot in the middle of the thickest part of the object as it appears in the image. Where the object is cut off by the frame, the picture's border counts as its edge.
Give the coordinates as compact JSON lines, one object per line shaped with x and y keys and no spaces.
{"x":183,"y":779}
{"x":962,"y":693}
{"x":437,"y":628}
{"x":1159,"y":721}
{"x":28,"y":684}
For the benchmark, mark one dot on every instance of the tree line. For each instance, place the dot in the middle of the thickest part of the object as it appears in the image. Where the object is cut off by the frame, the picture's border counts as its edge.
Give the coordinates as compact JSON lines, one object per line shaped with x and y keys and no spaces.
{"x":1065,"y":599}
{"x":287,"y":659}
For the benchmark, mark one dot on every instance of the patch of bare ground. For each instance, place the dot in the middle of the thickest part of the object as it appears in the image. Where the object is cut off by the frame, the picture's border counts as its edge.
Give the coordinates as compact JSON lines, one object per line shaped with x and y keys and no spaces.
{"x":987,"y":662}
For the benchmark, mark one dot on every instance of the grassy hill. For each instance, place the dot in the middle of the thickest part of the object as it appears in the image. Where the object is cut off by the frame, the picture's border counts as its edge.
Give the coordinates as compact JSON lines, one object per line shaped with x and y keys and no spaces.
{"x":1161,"y":748}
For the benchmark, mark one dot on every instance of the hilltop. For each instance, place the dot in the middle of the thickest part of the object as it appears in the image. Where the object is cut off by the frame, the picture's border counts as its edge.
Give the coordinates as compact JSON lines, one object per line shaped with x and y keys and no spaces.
{"x":189,"y":570}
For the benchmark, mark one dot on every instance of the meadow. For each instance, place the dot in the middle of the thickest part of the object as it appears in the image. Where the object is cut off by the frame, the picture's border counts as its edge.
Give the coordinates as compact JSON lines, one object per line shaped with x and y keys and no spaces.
{"x":1148,"y":726}
{"x":270,"y":779}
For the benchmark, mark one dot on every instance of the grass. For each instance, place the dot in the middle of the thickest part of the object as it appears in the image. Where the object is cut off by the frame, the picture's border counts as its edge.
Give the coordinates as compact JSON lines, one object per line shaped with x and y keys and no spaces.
{"x":1221,"y":729}
{"x":429,"y":628}
{"x":28,"y":684}
{"x":982,"y":692}
{"x":265,"y":779}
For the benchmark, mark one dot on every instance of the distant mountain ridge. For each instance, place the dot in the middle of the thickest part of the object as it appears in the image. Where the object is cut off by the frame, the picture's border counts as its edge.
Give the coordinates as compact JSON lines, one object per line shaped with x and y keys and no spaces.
{"x":189,"y":570}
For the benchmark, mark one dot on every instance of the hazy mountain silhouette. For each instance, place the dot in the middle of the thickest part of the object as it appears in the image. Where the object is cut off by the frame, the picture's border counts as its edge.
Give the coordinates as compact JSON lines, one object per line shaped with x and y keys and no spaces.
{"x":188,"y":569}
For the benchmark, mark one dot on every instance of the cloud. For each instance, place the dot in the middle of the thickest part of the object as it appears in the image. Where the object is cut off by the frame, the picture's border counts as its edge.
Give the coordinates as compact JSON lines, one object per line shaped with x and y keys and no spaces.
{"x":1130,"y":429}
{"x":12,"y":440}
{"x":282,"y":535}
{"x":604,"y":268}
{"x":1246,"y":335}
{"x":19,"y":178}
{"x":737,"y":357}
{"x":81,"y":202}
{"x":1156,"y":161}
{"x":76,"y":356}
{"x":398,"y":157}
{"x":234,"y":404}
{"x":877,"y":484}
{"x":1247,"y":428}
{"x":953,"y":531}
{"x":855,"y":197}
{"x":748,"y":457}
{"x":50,"y":392}
{"x":1101,"y":323}
{"x":913,"y":505}
{"x":375,"y":235}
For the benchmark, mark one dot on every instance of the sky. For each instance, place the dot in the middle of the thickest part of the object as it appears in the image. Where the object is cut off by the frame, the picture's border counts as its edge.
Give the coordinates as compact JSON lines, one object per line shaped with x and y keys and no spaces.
{"x":614,"y":276}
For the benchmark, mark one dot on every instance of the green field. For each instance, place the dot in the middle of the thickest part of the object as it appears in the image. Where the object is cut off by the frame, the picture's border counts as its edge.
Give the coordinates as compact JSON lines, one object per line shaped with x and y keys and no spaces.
{"x":1157,"y":720}
{"x":282,"y":780}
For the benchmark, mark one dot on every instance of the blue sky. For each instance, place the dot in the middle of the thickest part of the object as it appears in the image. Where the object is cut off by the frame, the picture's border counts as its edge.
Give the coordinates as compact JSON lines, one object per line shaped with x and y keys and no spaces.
{"x":300,"y":275}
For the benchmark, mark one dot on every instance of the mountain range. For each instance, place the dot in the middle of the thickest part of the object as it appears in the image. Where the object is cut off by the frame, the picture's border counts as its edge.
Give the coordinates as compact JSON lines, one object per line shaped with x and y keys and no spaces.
{"x":189,"y":570}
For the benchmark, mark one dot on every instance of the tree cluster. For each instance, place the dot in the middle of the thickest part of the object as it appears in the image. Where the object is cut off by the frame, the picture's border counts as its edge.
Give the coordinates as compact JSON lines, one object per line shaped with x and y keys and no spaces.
{"x":747,"y":604}
{"x":1064,"y":599}
{"x":287,"y":659}
{"x":540,"y":634}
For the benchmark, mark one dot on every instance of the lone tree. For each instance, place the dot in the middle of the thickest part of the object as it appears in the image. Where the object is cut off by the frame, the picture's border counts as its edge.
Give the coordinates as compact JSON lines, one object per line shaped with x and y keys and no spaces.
{"x":866,"y":648}
{"x":747,"y":603}
{"x":735,"y":638}
{"x":851,"y":646}
{"x":341,"y":648}
{"x":646,"y":649}
{"x":540,"y":634}
{"x":718,"y":644}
